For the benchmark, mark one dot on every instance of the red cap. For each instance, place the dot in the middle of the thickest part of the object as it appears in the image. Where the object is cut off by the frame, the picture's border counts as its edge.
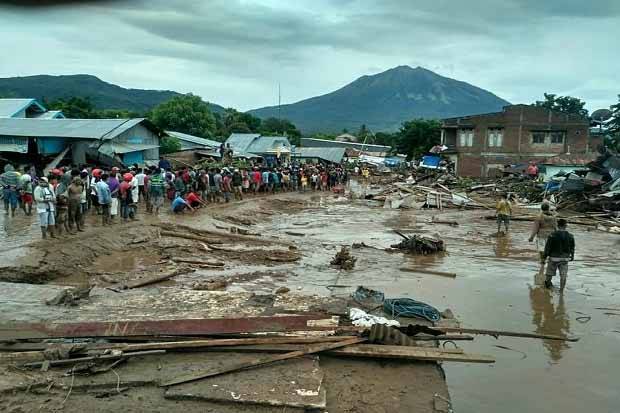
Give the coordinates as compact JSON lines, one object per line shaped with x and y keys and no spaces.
{"x":127,"y":177}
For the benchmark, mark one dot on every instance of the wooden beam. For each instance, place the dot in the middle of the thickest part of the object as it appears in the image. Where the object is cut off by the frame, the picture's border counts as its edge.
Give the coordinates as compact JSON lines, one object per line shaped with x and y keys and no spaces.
{"x":421,"y":271}
{"x":497,"y":333}
{"x":66,"y":362}
{"x":260,"y":362}
{"x":180,"y":327}
{"x":156,"y":278}
{"x":379,"y":351}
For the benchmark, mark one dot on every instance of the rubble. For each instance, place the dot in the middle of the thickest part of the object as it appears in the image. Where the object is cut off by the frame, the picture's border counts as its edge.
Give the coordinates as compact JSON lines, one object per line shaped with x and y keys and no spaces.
{"x":420,"y":244}
{"x":344,"y":259}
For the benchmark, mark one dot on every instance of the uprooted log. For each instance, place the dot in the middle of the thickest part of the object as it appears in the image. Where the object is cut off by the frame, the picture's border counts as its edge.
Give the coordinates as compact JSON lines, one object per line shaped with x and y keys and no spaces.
{"x":344,"y":259}
{"x":156,"y":278}
{"x":420,"y":244}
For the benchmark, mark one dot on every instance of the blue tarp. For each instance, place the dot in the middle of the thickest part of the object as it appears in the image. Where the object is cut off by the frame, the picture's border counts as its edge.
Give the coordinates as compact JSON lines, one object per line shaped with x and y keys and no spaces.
{"x":431,"y":161}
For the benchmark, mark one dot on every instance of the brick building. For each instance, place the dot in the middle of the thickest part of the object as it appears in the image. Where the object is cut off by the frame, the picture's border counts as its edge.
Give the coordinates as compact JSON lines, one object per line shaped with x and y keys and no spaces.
{"x":481,"y":145}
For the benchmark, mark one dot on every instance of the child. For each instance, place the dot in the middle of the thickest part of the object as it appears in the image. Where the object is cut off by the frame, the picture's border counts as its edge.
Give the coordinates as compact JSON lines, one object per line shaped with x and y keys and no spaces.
{"x":504,"y":211}
{"x":26,"y":193}
{"x":304,"y":182}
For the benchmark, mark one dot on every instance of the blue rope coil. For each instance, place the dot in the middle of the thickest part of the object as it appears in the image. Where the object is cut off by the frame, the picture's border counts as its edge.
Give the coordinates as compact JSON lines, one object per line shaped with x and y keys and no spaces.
{"x":406,"y":307}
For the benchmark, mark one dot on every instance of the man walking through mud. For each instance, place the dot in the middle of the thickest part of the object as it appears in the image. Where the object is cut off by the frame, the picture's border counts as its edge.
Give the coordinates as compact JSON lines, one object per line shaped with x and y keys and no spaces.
{"x":559,"y":249}
{"x":504,"y":211}
{"x":543,"y":226}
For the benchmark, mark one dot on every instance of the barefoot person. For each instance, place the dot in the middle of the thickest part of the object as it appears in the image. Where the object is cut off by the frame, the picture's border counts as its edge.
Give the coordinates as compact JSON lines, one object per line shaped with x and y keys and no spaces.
{"x":543,"y":226}
{"x":559,"y":249}
{"x":504,"y":211}
{"x":45,"y":198}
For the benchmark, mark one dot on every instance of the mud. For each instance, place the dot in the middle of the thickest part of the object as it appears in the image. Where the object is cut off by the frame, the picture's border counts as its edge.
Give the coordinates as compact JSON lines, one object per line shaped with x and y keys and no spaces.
{"x":494,"y":288}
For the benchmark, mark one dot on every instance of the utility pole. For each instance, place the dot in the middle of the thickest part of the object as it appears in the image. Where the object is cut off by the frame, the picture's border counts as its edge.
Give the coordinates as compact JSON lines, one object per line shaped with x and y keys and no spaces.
{"x":280,"y":105}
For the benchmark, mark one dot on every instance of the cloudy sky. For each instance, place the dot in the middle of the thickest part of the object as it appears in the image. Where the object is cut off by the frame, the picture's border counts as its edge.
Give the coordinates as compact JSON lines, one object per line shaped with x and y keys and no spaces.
{"x":234,"y":52}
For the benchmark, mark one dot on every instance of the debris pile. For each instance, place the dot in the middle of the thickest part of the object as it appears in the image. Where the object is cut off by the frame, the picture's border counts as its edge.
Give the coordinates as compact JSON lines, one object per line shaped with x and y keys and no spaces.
{"x":344,"y":259}
{"x":420,"y":244}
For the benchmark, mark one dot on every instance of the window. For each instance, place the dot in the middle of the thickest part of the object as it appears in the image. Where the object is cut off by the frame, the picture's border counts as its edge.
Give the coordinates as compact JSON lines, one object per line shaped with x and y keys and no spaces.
{"x":557,"y":137}
{"x":496,"y":137}
{"x":538,"y":137}
{"x":466,"y":137}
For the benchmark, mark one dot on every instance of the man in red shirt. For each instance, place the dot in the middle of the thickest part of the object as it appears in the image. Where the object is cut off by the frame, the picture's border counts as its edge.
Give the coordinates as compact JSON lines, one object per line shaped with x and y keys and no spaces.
{"x":532,"y":170}
{"x":194,"y":200}
{"x":125,"y":195}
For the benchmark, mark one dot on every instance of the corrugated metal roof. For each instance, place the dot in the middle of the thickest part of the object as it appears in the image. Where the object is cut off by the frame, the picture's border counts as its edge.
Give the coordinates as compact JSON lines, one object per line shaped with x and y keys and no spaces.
{"x":10,"y":107}
{"x":51,"y":114}
{"x":328,"y":154}
{"x":265,"y":144}
{"x":241,"y":141}
{"x":67,"y":128}
{"x":194,"y":139}
{"x":111,"y":148}
{"x":256,"y":143}
{"x":323,"y":143}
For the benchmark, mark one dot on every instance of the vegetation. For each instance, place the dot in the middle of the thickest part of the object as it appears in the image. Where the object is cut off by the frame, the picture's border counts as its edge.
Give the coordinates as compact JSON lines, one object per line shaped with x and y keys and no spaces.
{"x":169,"y":144}
{"x":564,"y":104}
{"x":417,"y":136}
{"x":186,"y":114}
{"x":279,"y":127}
{"x":614,"y":127}
{"x":232,"y":121}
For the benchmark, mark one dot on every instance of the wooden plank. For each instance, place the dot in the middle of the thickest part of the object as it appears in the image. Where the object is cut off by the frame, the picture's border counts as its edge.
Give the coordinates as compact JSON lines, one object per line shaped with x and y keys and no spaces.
{"x":200,"y":262}
{"x":497,"y":333}
{"x":260,"y":362}
{"x":379,"y":351}
{"x":179,"y":327}
{"x":421,"y":271}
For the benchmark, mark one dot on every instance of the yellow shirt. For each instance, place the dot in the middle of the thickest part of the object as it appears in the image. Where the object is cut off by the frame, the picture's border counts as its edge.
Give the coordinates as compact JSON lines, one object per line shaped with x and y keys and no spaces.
{"x":503,"y":207}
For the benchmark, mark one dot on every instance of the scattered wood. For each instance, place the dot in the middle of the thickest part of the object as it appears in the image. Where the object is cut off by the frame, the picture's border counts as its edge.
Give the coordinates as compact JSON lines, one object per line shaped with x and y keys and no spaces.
{"x":199,"y":262}
{"x":66,"y":362}
{"x":344,"y":259}
{"x":444,"y":222}
{"x":261,"y":362}
{"x":156,"y":278}
{"x":421,"y":271}
{"x":190,"y":236}
{"x":420,"y":244}
{"x":290,"y":258}
{"x":498,"y":333}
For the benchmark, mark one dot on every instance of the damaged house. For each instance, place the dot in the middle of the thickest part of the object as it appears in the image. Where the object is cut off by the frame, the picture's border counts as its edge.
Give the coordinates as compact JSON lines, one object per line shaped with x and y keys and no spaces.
{"x":481,"y":145}
{"x":103,"y":141}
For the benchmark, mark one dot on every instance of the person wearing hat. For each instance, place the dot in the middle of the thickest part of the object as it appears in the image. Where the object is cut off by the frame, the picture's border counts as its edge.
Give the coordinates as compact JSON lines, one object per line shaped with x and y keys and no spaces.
{"x":25,"y":184}
{"x":125,"y":195}
{"x":45,"y":198}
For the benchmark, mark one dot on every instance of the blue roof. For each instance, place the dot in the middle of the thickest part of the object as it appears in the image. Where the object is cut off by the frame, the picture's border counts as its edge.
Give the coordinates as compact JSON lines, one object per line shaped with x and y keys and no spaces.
{"x":69,"y":128}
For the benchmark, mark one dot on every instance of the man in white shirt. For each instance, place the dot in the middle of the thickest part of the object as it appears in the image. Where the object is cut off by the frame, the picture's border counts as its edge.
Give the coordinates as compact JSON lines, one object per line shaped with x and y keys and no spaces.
{"x":140,"y":179}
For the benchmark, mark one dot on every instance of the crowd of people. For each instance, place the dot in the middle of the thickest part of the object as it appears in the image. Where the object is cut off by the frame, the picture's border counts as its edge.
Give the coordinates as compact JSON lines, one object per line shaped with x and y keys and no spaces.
{"x":64,"y":196}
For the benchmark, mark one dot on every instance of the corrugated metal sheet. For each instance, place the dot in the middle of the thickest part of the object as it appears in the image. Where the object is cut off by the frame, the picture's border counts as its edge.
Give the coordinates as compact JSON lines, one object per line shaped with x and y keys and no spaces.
{"x":67,"y":128}
{"x":51,"y":114}
{"x":269,"y":144}
{"x":241,"y":141}
{"x":208,"y":143}
{"x":13,"y":144}
{"x":10,"y":107}
{"x":110,"y":148}
{"x":323,"y":143}
{"x":328,"y":154}
{"x":258,"y":144}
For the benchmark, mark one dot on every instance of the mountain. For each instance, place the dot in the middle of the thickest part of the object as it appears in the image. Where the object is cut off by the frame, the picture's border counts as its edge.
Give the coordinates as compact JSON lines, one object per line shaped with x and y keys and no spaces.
{"x":385,"y":100}
{"x":103,"y":95}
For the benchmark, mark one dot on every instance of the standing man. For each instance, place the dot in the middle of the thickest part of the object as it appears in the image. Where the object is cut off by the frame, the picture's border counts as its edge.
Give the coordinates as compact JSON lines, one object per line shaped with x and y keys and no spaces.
{"x":104,"y":199}
{"x":74,"y":192}
{"x":532,"y":170}
{"x":560,"y":248}
{"x":45,"y":198}
{"x":237,"y":184}
{"x":9,"y":181}
{"x":140,"y":180}
{"x":543,"y":226}
{"x":504,"y":211}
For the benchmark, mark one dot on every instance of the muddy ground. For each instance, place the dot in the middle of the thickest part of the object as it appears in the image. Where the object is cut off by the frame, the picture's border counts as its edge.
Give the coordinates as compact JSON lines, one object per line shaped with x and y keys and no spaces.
{"x":300,"y":233}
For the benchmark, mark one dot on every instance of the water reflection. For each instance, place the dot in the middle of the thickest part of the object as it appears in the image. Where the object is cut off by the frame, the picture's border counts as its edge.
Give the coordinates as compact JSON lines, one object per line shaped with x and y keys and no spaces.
{"x":503,"y":247}
{"x":550,"y":318}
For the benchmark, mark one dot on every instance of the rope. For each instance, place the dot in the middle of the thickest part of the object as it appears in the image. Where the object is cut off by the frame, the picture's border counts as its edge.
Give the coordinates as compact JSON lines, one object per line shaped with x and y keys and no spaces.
{"x":406,"y":307}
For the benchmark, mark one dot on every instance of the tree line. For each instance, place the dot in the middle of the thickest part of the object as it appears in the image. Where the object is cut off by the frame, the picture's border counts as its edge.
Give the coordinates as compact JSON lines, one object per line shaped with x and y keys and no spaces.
{"x":190,"y":114}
